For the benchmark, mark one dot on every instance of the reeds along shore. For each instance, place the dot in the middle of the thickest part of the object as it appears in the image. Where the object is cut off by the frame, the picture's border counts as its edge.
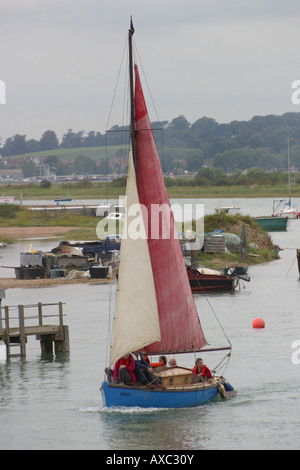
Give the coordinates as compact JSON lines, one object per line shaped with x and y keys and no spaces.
{"x":112,"y":190}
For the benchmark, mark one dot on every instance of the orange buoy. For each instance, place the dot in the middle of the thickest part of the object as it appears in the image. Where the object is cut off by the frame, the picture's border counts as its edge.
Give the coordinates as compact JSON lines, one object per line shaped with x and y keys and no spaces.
{"x":258,"y":323}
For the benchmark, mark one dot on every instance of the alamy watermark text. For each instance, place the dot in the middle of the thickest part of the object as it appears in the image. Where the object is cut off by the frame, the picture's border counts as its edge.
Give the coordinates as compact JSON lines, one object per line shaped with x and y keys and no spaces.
{"x":2,"y":92}
{"x":296,"y":93}
{"x":157,"y":222}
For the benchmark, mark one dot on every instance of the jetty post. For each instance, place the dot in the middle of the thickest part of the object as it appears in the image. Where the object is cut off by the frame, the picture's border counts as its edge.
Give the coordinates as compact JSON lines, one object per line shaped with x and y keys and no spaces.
{"x":2,"y":296}
{"x":22,"y":337}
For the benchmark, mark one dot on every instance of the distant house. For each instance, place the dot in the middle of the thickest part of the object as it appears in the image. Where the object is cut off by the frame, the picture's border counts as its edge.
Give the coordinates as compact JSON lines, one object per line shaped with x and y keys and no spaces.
{"x":11,"y":175}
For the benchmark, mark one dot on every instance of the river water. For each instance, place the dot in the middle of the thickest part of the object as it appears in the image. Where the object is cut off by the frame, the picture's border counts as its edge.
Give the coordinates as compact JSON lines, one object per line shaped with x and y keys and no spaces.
{"x":55,"y":402}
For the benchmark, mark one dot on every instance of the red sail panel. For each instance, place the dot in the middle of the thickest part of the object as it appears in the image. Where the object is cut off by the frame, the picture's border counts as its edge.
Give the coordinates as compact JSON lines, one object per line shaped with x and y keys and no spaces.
{"x":179,"y":322}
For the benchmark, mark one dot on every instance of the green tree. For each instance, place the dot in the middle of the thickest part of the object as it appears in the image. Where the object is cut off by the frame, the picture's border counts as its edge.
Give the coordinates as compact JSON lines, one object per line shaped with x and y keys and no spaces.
{"x":194,"y":160}
{"x":32,"y":146}
{"x":204,"y":128}
{"x":83,"y":165}
{"x":178,"y":133}
{"x":45,"y":184}
{"x":29,"y":168}
{"x":52,"y":161}
{"x":15,"y":145}
{"x":72,"y":139}
{"x":94,"y":139}
{"x":49,"y":141}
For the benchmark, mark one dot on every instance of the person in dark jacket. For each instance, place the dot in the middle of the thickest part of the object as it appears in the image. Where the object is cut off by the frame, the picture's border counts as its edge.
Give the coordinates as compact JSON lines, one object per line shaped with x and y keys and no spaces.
{"x":143,"y":371}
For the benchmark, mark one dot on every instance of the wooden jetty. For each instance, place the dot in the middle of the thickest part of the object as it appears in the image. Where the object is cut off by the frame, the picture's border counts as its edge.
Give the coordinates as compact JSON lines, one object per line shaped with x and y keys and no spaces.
{"x":33,"y":325}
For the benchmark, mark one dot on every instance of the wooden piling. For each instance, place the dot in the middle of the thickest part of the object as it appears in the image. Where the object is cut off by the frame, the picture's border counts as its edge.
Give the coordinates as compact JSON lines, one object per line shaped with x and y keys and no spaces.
{"x":22,"y":338}
{"x":7,"y":338}
{"x":40,"y":313}
{"x":63,"y":346}
{"x":61,"y":321}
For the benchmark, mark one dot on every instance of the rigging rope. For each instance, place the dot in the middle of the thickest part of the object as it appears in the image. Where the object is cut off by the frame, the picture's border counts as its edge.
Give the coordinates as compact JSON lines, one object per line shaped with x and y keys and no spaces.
{"x":116,"y":86}
{"x":290,"y":268}
{"x":214,"y":313}
{"x":219,"y":365}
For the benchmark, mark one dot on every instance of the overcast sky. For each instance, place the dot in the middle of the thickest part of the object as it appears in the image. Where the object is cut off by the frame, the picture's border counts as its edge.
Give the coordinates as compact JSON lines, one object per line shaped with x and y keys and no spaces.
{"x":225,"y":59}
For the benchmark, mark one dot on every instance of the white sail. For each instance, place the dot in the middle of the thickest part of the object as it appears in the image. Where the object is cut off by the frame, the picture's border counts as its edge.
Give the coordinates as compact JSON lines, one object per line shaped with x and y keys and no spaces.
{"x":136,"y":324}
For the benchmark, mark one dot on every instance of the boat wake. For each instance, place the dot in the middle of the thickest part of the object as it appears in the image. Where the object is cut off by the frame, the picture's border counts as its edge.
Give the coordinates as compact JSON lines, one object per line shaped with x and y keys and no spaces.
{"x":131,"y":410}
{"x":120,"y":409}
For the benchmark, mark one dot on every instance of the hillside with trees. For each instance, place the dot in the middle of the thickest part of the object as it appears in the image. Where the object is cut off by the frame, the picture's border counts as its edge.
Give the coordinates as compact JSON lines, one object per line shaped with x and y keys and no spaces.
{"x":183,"y":147}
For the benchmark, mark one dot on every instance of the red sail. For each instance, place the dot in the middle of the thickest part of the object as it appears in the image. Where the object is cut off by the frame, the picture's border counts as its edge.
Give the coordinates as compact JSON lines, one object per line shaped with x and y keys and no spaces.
{"x":179,"y":322}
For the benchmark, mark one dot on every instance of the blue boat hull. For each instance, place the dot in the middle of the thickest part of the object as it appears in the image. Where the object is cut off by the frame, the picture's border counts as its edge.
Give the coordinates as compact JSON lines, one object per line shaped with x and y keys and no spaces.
{"x":113,"y":395}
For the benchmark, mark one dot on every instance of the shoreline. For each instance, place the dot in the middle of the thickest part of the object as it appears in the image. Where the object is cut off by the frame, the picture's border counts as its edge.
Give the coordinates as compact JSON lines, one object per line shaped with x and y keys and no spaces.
{"x":17,"y":233}
{"x":12,"y":283}
{"x":101,"y":192}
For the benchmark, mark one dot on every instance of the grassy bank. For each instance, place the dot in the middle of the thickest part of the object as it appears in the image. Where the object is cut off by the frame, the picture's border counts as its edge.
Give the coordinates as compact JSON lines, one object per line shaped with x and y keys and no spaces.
{"x":81,"y":226}
{"x":254,"y":191}
{"x":20,"y":216}
{"x":103,"y":191}
{"x":80,"y":190}
{"x":260,"y":248}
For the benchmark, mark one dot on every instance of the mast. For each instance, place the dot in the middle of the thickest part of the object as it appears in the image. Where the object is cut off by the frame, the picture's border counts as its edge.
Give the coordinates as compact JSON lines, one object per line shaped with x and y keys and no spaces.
{"x":131,"y":82}
{"x":289,"y":173}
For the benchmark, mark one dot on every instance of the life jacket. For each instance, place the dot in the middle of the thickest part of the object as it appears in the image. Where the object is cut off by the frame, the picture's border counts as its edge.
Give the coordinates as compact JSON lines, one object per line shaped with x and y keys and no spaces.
{"x":203,"y":369}
{"x":157,"y":364}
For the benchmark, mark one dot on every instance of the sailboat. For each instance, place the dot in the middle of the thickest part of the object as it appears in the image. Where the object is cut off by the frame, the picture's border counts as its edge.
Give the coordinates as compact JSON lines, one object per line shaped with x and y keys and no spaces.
{"x":289,"y":210}
{"x":155,"y":308}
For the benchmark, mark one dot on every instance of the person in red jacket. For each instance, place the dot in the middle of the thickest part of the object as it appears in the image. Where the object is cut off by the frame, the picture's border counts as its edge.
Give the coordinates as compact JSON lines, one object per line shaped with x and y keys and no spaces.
{"x":201,"y":369}
{"x":123,"y":370}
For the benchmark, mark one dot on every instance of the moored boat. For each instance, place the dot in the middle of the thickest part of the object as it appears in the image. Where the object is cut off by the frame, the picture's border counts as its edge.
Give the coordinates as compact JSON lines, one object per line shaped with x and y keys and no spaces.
{"x":272,"y":223}
{"x":201,"y":281}
{"x":285,"y":208}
